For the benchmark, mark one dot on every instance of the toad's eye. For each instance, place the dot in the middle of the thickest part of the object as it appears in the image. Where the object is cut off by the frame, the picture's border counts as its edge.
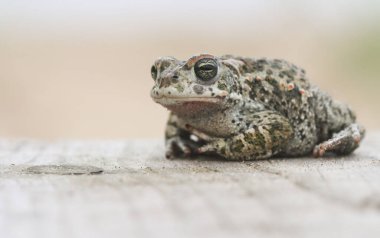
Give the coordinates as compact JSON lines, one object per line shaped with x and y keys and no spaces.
{"x":206,"y":69}
{"x":153,"y":72}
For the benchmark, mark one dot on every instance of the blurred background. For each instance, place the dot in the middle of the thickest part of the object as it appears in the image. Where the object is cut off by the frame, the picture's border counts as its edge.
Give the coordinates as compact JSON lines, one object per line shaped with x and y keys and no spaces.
{"x":81,"y":69}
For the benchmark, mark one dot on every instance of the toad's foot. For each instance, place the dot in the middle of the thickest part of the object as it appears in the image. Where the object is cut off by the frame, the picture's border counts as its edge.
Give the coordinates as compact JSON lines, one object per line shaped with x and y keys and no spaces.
{"x":178,"y":147}
{"x":343,"y":142}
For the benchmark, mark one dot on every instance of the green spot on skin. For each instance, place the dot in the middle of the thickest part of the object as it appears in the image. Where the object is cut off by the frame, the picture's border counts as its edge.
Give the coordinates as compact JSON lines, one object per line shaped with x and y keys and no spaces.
{"x":223,"y":150}
{"x":249,"y":138}
{"x":222,"y":86}
{"x":256,"y":139}
{"x":238,"y":146}
{"x":260,"y":139}
{"x":179,"y":88}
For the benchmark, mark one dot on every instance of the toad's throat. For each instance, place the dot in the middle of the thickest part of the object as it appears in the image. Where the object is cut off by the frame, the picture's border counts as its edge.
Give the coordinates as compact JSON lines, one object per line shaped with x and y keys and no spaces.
{"x":190,"y":106}
{"x":193,"y":108}
{"x":180,"y":100}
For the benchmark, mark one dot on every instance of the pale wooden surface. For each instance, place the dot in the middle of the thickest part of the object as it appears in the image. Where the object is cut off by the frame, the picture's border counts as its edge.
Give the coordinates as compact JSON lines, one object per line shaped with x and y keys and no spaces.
{"x":141,"y":194}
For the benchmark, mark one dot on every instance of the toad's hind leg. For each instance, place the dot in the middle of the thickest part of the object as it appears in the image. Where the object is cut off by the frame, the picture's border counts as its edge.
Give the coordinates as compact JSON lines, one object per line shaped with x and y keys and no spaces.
{"x":267,"y":134}
{"x":342,"y":142}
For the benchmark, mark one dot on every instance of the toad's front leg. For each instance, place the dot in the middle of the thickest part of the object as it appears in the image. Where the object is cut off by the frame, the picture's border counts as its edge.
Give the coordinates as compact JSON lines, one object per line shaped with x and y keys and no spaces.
{"x":267,"y":135}
{"x":178,"y":140}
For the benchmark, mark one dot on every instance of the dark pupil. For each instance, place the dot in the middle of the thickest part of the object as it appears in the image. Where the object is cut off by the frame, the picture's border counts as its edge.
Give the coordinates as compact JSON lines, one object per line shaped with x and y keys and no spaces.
{"x":153,"y":71}
{"x":206,"y":69}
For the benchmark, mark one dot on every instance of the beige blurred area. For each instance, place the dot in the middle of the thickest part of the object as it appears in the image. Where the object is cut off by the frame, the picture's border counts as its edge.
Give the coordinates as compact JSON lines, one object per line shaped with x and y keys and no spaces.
{"x":81,"y":69}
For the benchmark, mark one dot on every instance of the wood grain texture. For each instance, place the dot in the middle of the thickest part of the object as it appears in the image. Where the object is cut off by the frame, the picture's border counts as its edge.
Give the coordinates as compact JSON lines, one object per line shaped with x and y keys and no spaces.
{"x":141,"y":194}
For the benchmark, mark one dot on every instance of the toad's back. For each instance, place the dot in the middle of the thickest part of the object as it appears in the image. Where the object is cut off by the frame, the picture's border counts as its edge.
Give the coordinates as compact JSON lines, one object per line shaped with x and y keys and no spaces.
{"x":284,"y":88}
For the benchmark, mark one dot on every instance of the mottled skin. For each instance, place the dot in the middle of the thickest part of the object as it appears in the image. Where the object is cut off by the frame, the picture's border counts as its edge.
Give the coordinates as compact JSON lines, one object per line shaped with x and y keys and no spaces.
{"x":249,"y":109}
